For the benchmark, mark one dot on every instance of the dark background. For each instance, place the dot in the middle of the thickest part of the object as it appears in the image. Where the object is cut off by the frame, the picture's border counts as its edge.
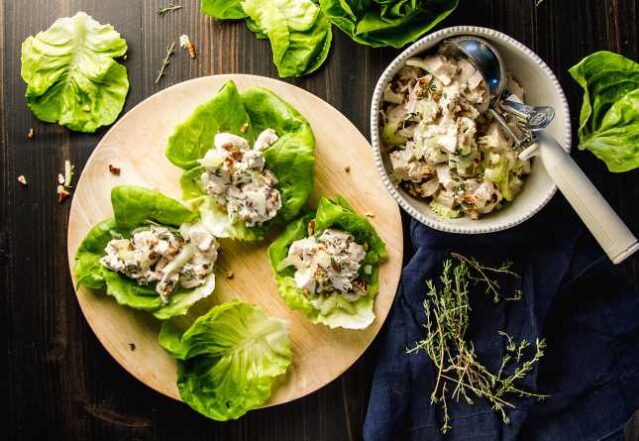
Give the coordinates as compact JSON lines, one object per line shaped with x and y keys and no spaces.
{"x":60,"y":382}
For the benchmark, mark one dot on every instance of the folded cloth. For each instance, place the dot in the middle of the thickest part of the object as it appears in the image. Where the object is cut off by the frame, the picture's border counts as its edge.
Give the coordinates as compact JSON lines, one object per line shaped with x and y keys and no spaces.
{"x":572,"y":296}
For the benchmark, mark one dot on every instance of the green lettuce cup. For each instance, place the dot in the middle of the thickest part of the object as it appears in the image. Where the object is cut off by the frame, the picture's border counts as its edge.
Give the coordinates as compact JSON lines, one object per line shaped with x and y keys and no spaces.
{"x":136,"y":209}
{"x":228,"y":359}
{"x":290,"y":159}
{"x":352,"y":309}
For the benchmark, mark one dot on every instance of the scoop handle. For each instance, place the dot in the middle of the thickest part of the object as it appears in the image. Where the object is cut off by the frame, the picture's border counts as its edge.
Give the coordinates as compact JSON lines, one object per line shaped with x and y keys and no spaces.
{"x":605,"y":225}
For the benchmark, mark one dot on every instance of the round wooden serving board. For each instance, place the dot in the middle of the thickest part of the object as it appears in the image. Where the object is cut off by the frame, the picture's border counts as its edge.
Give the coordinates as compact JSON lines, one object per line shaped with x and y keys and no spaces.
{"x":136,"y":145}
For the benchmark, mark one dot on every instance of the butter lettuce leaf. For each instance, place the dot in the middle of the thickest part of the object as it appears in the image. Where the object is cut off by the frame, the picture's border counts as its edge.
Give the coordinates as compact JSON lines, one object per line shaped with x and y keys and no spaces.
{"x":609,"y":121}
{"x":192,"y":138}
{"x":334,"y":310}
{"x":71,"y":74}
{"x":228,"y":359}
{"x":291,"y":158}
{"x":379,"y":23}
{"x":134,"y":207}
{"x":223,"y":9}
{"x":300,"y":35}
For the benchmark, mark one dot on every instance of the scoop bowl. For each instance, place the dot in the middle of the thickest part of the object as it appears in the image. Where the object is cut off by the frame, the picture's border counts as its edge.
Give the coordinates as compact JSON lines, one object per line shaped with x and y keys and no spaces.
{"x":541,"y":88}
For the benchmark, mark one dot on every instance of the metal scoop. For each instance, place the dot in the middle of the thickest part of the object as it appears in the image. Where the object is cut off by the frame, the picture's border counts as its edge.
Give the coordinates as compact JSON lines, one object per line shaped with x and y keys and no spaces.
{"x":604,"y":224}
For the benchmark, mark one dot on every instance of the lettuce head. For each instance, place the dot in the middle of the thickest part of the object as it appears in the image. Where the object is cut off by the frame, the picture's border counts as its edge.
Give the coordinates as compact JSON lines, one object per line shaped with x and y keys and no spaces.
{"x":333,"y":310}
{"x":228,"y":359}
{"x":379,"y":23}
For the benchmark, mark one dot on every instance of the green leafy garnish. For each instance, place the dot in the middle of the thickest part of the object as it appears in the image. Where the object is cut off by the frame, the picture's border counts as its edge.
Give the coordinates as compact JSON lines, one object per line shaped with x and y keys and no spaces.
{"x":380,"y":23}
{"x":333,"y":310}
{"x":71,"y":75}
{"x":460,"y":375}
{"x":291,"y":158}
{"x":228,"y":359}
{"x":609,"y":118}
{"x":134,"y":207}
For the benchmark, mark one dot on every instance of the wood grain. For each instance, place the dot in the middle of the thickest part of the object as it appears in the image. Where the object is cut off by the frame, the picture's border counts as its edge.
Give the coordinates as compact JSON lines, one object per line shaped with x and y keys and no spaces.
{"x":136,"y":145}
{"x":60,"y":382}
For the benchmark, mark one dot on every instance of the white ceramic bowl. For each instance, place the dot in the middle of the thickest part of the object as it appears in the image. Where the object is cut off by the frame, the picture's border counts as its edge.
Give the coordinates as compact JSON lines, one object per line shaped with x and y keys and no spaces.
{"x":541,"y":88}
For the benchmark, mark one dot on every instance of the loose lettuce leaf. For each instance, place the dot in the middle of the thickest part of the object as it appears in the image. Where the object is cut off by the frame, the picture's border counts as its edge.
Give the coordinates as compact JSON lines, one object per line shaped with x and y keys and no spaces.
{"x":133,"y":207}
{"x":192,"y":138}
{"x":223,"y":9}
{"x":228,"y":359}
{"x":609,"y":121}
{"x":333,"y":311}
{"x":299,"y":33}
{"x":71,"y":75}
{"x":616,"y":141}
{"x":379,"y":23}
{"x":291,"y":158}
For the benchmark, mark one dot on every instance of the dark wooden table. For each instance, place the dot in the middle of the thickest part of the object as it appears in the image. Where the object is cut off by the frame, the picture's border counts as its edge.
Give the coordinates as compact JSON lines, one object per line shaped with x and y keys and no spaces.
{"x":60,"y":382}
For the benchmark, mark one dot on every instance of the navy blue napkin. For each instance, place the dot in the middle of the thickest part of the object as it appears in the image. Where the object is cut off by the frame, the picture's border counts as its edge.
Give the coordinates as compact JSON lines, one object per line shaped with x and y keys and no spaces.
{"x":573,"y":297}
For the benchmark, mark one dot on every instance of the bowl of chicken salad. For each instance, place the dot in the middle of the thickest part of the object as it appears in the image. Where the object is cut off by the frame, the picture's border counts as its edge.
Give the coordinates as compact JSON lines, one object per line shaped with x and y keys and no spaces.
{"x":440,"y":153}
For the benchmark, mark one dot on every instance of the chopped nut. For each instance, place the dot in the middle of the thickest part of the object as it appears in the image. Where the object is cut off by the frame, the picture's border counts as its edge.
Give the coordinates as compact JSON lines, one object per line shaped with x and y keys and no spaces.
{"x":230,"y":275}
{"x":186,"y":43}
{"x":31,"y":133}
{"x":244,"y":127}
{"x":132,"y":346}
{"x":86,"y":108}
{"x":369,"y":214}
{"x":114,"y":170}
{"x":347,"y":169}
{"x":63,"y":194}
{"x":60,"y":179}
{"x":124,"y":57}
{"x":311,"y":227}
{"x":22,"y":180}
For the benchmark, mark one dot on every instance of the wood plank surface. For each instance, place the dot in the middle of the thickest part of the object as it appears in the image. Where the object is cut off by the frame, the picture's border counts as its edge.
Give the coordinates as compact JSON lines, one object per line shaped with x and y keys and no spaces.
{"x":60,"y":383}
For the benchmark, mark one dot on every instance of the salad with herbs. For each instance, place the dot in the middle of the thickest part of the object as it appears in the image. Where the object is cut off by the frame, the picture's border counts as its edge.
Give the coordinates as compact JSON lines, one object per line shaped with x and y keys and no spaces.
{"x":443,"y":148}
{"x":326,"y":265}
{"x":248,"y":161}
{"x":154,"y":254}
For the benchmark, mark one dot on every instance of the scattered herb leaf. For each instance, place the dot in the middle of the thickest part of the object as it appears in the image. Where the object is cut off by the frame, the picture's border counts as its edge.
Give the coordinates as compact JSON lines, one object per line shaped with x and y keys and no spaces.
{"x":168,"y":8}
{"x":170,"y":51}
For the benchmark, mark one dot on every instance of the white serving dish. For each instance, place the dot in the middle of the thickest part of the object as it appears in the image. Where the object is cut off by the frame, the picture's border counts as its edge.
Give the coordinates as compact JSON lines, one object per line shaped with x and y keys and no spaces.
{"x":541,"y":88}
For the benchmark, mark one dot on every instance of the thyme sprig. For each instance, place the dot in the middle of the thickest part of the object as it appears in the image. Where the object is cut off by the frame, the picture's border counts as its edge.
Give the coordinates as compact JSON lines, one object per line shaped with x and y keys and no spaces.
{"x":486,"y":274}
{"x":168,"y":8}
{"x":170,"y":51}
{"x":460,"y":374}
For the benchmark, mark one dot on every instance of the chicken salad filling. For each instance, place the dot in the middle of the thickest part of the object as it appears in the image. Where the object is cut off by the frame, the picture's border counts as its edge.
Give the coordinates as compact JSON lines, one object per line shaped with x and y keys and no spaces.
{"x":443,"y":146}
{"x":328,"y":263}
{"x":236,"y":177}
{"x":164,"y":256}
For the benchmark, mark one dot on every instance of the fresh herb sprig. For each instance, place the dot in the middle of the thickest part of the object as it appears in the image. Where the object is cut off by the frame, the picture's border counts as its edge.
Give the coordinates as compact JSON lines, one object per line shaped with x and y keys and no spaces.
{"x":484,"y":274}
{"x":460,"y":374}
{"x":168,"y":8}
{"x":166,"y":61}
